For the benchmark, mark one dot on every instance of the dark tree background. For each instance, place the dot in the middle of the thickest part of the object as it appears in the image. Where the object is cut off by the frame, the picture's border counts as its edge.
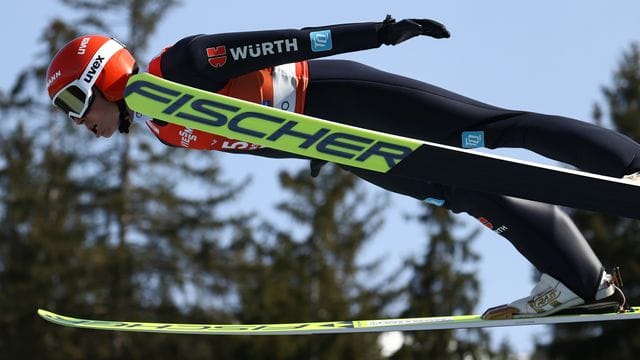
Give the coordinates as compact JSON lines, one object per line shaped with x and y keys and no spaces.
{"x":135,"y":230}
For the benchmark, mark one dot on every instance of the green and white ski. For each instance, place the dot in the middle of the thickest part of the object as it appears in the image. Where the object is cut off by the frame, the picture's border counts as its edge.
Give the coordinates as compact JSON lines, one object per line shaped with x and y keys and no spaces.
{"x":330,"y":327}
{"x":365,"y":149}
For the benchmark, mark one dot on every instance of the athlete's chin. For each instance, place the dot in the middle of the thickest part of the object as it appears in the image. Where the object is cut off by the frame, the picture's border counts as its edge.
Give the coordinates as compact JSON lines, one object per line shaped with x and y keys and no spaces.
{"x":107,"y":134}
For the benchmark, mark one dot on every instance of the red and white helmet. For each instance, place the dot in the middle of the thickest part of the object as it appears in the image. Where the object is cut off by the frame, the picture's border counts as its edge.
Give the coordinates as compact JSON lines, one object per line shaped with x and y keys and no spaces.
{"x":84,"y":63}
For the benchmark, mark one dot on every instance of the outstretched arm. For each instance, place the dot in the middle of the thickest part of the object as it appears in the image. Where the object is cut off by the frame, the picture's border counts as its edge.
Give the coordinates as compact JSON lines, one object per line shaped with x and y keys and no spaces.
{"x":220,"y":57}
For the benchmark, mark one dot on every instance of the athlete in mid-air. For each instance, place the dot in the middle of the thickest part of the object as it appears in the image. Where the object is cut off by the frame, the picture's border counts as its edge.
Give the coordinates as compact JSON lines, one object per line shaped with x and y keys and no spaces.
{"x":87,"y":77}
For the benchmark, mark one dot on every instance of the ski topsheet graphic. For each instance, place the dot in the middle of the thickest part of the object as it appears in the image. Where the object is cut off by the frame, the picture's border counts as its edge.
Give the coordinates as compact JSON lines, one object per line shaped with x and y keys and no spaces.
{"x":330,"y":327}
{"x":278,"y":129}
{"x":366,"y":149}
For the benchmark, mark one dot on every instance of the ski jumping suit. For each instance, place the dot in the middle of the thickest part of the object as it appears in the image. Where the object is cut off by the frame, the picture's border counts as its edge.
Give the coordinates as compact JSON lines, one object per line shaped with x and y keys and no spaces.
{"x":271,"y":68}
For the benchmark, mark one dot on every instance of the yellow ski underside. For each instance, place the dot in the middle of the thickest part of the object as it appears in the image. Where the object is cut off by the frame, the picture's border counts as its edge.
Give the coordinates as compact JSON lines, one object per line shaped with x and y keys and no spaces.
{"x":329,"y":327}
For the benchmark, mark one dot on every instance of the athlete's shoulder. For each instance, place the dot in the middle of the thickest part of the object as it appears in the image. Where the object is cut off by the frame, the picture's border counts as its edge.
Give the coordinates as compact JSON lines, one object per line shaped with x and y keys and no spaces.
{"x":187,"y":63}
{"x":170,"y":57}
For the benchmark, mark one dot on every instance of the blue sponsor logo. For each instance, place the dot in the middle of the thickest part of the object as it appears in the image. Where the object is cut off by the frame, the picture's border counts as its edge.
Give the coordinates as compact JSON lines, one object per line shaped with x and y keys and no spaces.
{"x":267,"y":103}
{"x":321,"y":40}
{"x":434,"y":201}
{"x":472,"y":139}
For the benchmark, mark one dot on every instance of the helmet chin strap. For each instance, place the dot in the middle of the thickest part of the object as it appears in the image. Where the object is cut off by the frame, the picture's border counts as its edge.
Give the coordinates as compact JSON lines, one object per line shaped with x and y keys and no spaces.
{"x":125,"y":118}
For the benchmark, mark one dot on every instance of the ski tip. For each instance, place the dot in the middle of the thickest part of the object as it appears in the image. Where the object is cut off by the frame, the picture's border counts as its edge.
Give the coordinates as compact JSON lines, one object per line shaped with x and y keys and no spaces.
{"x":45,"y":314}
{"x":48,"y":315}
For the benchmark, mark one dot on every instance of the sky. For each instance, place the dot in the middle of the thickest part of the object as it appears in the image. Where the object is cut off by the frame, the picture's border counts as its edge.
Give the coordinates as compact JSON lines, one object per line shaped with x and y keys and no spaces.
{"x":544,"y":56}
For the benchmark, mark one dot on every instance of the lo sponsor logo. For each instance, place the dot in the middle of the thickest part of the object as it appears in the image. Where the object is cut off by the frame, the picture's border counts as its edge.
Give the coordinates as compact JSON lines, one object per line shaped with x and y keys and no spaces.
{"x":82,"y":49}
{"x":472,"y":139}
{"x":217,"y":56}
{"x":53,"y":77}
{"x":321,"y":40}
{"x":546,"y":298}
{"x":187,"y":136}
{"x":500,"y":229}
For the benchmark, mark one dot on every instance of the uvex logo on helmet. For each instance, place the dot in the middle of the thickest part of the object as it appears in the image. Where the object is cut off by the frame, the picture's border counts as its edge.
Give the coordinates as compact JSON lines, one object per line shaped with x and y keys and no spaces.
{"x":82,"y":49}
{"x":79,"y":60}
{"x":94,"y":69}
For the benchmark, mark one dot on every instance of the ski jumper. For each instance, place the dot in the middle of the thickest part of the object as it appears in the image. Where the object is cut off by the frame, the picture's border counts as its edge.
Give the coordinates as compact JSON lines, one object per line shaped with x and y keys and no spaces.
{"x":276,"y":68}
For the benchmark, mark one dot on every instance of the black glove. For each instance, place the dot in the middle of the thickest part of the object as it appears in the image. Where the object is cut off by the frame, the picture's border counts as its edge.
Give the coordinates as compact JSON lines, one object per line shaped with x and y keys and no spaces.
{"x":393,"y":33}
{"x":315,"y":166}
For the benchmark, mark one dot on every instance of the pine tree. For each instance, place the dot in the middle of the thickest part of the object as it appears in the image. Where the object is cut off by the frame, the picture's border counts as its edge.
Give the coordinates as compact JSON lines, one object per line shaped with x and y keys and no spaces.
{"x":307,"y":271}
{"x":443,"y":283}
{"x":107,"y":231}
{"x":36,"y":197}
{"x":615,"y":240}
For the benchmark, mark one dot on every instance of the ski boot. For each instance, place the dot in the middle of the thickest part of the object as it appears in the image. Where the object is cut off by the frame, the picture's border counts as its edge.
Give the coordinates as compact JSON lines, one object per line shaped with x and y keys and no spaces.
{"x":635,"y":177}
{"x":550,"y":296}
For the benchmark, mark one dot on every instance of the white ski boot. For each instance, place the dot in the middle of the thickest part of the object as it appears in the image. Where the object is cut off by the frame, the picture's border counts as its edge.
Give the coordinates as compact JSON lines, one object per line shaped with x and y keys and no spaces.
{"x":550,"y":296}
{"x":635,"y":177}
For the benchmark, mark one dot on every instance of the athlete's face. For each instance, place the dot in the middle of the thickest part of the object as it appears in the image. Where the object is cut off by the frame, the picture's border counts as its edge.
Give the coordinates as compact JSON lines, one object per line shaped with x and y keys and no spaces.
{"x":102,"y":118}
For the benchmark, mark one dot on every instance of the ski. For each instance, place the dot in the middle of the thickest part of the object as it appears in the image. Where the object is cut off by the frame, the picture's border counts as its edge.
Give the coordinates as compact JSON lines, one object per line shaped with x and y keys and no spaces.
{"x":366,"y":149}
{"x":330,"y":327}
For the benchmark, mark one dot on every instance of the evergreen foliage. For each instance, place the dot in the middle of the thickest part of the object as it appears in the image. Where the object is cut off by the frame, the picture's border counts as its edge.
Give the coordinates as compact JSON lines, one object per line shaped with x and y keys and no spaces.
{"x":444,"y":283}
{"x":614,"y":239}
{"x":308,"y":271}
{"x":131,"y":229}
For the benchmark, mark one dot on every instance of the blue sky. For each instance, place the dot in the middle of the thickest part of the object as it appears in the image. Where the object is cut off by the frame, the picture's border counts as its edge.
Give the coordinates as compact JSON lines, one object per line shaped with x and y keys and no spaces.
{"x":544,"y":56}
